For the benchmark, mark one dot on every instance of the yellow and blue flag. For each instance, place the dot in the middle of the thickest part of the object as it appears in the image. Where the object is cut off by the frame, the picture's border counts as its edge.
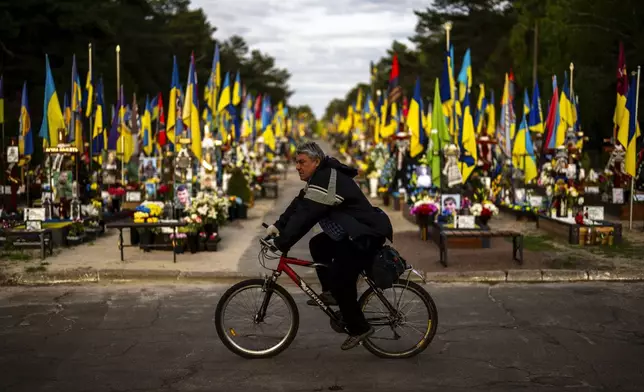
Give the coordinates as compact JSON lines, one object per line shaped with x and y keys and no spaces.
{"x":467,"y":141}
{"x":174,"y":106}
{"x":99,"y":141}
{"x":535,"y":120}
{"x":52,"y":120}
{"x":481,"y":110}
{"x":523,"y":156}
{"x":415,"y":123}
{"x":629,"y":129}
{"x":76,"y":125}
{"x":225,"y":97}
{"x":465,"y":76}
{"x":191,"y":110}
{"x":25,"y":138}
{"x":212,"y":88}
{"x":146,"y":128}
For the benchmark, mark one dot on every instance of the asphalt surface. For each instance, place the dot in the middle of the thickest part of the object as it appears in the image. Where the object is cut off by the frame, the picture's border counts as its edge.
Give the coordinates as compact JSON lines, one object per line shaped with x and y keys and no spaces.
{"x":584,"y":337}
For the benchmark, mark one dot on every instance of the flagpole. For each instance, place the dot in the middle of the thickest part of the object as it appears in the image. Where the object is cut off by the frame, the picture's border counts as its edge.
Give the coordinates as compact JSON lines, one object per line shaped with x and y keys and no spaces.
{"x":118,"y":116}
{"x":637,"y":95}
{"x":91,"y":115}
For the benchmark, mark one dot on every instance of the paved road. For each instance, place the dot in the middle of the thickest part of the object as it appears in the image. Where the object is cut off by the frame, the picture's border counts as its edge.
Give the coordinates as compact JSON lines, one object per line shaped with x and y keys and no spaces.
{"x":585,"y":337}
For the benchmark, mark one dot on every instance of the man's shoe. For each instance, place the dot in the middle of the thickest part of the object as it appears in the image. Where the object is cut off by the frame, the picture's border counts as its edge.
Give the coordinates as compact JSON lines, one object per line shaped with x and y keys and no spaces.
{"x":326,"y":297}
{"x":353,"y":341}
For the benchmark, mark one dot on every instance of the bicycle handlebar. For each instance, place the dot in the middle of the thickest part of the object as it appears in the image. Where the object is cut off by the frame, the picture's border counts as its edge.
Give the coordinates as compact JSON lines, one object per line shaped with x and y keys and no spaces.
{"x":264,"y":241}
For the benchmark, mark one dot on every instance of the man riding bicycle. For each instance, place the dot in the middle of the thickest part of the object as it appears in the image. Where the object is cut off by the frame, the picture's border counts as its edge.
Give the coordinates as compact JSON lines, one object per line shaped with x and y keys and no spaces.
{"x":353,"y":231}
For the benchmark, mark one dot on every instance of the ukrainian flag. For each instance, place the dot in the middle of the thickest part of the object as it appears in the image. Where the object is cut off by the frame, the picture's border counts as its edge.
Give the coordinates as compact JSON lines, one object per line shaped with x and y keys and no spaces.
{"x":224,"y":98}
{"x":25,"y":139}
{"x":146,"y":128}
{"x":76,"y":125}
{"x":523,"y":156}
{"x":99,"y":142}
{"x":467,"y":141}
{"x":535,"y":120}
{"x":191,"y":110}
{"x":173,"y":104}
{"x":52,"y":119}
{"x":415,"y":123}
{"x":629,"y":129}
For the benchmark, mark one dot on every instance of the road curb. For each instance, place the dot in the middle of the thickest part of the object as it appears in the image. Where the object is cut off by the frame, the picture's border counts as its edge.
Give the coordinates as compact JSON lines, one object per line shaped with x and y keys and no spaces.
{"x":90,"y":275}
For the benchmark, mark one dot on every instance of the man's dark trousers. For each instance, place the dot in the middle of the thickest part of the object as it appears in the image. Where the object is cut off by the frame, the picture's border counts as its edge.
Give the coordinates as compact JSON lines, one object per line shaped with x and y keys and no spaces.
{"x":346,"y":260}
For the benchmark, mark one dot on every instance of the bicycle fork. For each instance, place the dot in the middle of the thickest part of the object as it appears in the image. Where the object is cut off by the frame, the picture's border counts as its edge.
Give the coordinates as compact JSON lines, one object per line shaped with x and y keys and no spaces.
{"x":268,"y":293}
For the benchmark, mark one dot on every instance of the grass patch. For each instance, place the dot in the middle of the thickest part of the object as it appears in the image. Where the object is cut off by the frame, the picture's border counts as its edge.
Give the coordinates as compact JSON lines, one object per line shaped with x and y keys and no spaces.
{"x":536,"y":243}
{"x":566,"y":262}
{"x":40,"y":268}
{"x":15,"y":256}
{"x":626,"y":249}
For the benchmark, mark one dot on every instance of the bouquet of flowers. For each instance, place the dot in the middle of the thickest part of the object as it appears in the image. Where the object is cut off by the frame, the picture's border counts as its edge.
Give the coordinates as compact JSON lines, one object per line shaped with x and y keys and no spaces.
{"x":116,"y":192}
{"x":148,"y":212}
{"x":424,"y":207}
{"x":485,"y":210}
{"x":210,"y":208}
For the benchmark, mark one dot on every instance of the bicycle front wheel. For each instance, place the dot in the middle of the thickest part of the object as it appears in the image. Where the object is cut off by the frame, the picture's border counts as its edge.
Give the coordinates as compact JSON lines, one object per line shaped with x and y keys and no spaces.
{"x":410,"y":321}
{"x":256,"y":323}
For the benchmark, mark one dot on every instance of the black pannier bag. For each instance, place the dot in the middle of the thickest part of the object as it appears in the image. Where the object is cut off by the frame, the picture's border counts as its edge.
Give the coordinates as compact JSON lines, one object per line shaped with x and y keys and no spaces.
{"x":387,"y":267}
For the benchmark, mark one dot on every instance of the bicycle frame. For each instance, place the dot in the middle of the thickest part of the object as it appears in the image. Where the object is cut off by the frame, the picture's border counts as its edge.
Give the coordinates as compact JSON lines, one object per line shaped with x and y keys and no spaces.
{"x":284,"y":266}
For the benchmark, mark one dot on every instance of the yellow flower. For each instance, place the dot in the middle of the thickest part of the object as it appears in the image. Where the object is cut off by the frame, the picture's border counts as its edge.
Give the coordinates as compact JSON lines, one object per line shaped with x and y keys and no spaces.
{"x":138,"y":220}
{"x":153,"y":220}
{"x":94,"y":186}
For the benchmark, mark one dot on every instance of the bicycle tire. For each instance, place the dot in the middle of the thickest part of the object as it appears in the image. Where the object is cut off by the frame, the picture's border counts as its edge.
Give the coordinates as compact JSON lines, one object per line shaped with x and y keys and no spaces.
{"x":245,"y":353}
{"x":427,"y":338}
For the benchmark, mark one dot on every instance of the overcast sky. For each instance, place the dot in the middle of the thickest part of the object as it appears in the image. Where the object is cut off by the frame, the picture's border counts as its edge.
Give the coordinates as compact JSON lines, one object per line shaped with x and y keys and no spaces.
{"x":325,"y":44}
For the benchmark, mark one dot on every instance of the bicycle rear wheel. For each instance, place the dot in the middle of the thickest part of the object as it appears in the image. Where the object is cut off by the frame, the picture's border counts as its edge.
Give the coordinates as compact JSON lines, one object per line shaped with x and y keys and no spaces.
{"x":407,"y":299}
{"x":242,"y":326}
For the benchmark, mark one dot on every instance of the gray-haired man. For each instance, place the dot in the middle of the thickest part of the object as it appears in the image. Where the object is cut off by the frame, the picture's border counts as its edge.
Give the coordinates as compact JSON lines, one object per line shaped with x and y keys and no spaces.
{"x":353,"y":231}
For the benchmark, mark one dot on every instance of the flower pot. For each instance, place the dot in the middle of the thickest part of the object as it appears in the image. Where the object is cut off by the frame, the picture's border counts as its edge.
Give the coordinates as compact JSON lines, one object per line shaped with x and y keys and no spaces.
{"x":373,"y":187}
{"x":193,"y":243}
{"x":147,"y":238}
{"x":385,"y":199}
{"x":116,"y":204}
{"x":483,"y":220}
{"x":232,"y":212}
{"x":73,"y":240}
{"x":242,"y":211}
{"x":179,"y":246}
{"x":424,"y":221}
{"x":397,"y":203}
{"x":135,"y":238}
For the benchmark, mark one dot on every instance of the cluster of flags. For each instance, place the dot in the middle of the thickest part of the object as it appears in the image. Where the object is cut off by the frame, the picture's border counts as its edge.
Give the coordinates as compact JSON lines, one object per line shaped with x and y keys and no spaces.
{"x":452,"y":119}
{"x":227,"y":111}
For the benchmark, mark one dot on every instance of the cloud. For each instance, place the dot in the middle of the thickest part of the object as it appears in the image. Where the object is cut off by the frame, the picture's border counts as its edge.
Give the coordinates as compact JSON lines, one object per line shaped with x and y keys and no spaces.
{"x":326,"y":45}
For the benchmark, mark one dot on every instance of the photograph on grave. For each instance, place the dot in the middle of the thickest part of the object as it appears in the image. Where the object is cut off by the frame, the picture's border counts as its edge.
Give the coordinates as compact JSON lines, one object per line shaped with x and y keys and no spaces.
{"x":182,"y":194}
{"x":148,"y":169}
{"x":450,"y":202}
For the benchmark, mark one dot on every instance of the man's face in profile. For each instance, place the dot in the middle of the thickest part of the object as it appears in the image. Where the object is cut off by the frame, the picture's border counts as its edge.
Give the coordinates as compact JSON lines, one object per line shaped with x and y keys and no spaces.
{"x":305,"y":166}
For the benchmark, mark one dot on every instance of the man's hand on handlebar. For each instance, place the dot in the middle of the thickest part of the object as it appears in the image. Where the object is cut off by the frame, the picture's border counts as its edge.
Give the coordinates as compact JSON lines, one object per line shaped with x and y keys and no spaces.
{"x":269,"y":240}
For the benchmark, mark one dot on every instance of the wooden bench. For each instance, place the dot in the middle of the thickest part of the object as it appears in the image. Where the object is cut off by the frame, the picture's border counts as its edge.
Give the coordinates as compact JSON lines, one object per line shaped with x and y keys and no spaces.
{"x":271,"y":186}
{"x":30,"y":239}
{"x":133,"y":226}
{"x":517,"y":241}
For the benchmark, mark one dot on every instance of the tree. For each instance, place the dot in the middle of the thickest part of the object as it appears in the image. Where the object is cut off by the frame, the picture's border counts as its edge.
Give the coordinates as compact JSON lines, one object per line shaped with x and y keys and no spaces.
{"x":149,"y":32}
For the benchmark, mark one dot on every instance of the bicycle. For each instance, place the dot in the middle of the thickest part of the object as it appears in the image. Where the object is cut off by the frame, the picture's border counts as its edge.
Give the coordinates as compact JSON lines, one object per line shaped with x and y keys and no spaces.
{"x":269,"y":289}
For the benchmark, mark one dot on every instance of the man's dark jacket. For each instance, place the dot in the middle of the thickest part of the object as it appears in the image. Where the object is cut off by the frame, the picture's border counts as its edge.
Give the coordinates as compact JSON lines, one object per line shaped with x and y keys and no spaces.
{"x":332,"y":193}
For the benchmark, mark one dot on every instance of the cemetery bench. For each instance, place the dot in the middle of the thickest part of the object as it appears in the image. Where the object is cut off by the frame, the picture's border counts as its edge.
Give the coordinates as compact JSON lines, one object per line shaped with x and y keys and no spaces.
{"x":131,"y":225}
{"x":517,"y":241}
{"x":29,"y":239}
{"x":271,"y":184}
